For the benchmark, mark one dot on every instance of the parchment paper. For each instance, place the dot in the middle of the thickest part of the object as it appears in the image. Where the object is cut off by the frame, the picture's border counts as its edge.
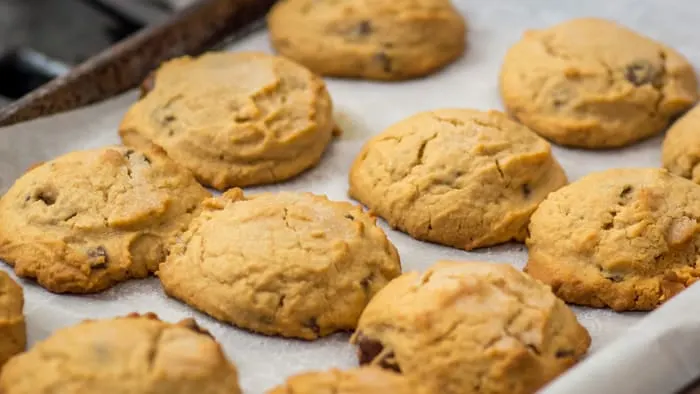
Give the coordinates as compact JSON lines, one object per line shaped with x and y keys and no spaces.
{"x":656,"y":355}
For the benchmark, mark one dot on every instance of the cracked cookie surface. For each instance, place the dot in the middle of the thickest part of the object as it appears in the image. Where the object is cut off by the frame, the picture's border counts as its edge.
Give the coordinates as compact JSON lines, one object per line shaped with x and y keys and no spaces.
{"x":134,"y":354}
{"x":288,"y":264}
{"x":681,"y":147}
{"x":366,"y":380}
{"x":370,"y":39}
{"x":503,"y":332}
{"x":13,"y":332}
{"x":457,"y":177}
{"x":592,"y":83}
{"x":626,"y":239}
{"x":234,"y":119}
{"x":87,"y":220}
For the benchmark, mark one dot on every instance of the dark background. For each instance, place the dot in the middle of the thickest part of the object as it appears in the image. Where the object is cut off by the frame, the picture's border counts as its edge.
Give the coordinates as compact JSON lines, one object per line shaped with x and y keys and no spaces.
{"x":40,"y":39}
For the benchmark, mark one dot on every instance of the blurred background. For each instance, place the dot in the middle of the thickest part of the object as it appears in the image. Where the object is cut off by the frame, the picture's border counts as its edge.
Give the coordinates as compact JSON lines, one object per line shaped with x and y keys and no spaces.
{"x":42,"y":39}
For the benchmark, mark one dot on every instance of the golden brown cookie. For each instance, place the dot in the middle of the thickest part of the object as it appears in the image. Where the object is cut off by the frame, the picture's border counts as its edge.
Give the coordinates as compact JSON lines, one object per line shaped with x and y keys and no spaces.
{"x":87,"y":220}
{"x":681,"y":148}
{"x":470,"y":327}
{"x":592,"y":83}
{"x":234,"y":119}
{"x":457,"y":177}
{"x":13,"y":333}
{"x":371,"y":39}
{"x":626,"y":239}
{"x":134,"y":354}
{"x":355,"y":381}
{"x":289,"y":264}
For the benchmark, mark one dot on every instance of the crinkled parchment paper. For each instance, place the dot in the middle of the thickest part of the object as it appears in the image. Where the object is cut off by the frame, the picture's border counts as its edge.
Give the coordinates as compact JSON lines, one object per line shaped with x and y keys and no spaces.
{"x":631,"y":352}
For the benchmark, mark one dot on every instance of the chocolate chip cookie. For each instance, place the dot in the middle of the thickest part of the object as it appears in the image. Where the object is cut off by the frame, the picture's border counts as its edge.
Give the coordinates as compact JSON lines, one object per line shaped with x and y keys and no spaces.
{"x":371,"y":39}
{"x":593,"y":83}
{"x":627,"y":239}
{"x":457,"y":177}
{"x":354,"y":381}
{"x":13,"y":334}
{"x":469,"y":327}
{"x":681,"y":148}
{"x":289,"y":264}
{"x":135,"y":354}
{"x":87,"y":220}
{"x":234,"y":119}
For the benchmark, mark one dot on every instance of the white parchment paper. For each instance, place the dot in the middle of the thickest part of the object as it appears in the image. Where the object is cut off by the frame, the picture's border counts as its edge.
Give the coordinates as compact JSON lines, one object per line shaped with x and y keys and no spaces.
{"x":631,"y":352}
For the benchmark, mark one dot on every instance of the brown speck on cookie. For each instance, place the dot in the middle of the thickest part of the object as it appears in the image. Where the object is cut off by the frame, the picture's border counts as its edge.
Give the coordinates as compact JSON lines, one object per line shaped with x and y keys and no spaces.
{"x":369,"y":349}
{"x":97,"y":257}
{"x":384,"y":60}
{"x":641,"y":72}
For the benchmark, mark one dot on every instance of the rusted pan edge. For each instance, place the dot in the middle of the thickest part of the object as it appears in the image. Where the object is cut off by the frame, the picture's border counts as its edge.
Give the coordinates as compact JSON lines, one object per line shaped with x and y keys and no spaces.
{"x":123,"y":66}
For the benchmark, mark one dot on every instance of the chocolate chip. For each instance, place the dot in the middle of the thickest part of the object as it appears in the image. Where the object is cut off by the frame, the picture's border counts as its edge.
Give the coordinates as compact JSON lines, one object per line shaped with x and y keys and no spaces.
{"x":146,"y":159}
{"x":366,"y":282}
{"x":369,"y":349}
{"x":626,"y":190}
{"x":607,"y":225}
{"x":364,"y":28}
{"x":349,"y":216}
{"x":129,"y":153}
{"x":47,"y":196}
{"x":98,"y":258}
{"x":614,"y":277}
{"x":642,"y":72}
{"x":385,"y":61}
{"x":564,"y":353}
{"x":312,"y":324}
{"x":148,"y":84}
{"x":526,"y":190}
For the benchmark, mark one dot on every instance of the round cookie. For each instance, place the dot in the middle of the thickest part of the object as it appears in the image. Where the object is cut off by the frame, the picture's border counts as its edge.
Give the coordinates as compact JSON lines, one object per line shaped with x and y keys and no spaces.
{"x":135,"y":354}
{"x":505,"y":332}
{"x":626,"y":239}
{"x":234,"y":119}
{"x":457,"y":177}
{"x":87,"y":220}
{"x":370,"y":39}
{"x":13,"y":333}
{"x":592,"y":83}
{"x":681,"y":147}
{"x":353,"y":381}
{"x":289,"y":264}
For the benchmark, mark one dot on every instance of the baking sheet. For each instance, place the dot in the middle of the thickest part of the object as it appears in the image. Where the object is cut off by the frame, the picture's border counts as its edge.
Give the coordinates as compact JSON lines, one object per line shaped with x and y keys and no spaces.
{"x":629,"y":354}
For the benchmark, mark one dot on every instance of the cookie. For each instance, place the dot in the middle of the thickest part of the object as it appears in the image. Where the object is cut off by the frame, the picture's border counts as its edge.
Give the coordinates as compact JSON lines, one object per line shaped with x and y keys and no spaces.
{"x":370,"y":39}
{"x":234,"y":119}
{"x":681,"y":147}
{"x":354,"y":381}
{"x":87,"y":220}
{"x":288,"y":264}
{"x":135,"y":354}
{"x":592,"y":83}
{"x":629,"y":245}
{"x":505,"y":332}
{"x":13,"y":334}
{"x":457,"y":177}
